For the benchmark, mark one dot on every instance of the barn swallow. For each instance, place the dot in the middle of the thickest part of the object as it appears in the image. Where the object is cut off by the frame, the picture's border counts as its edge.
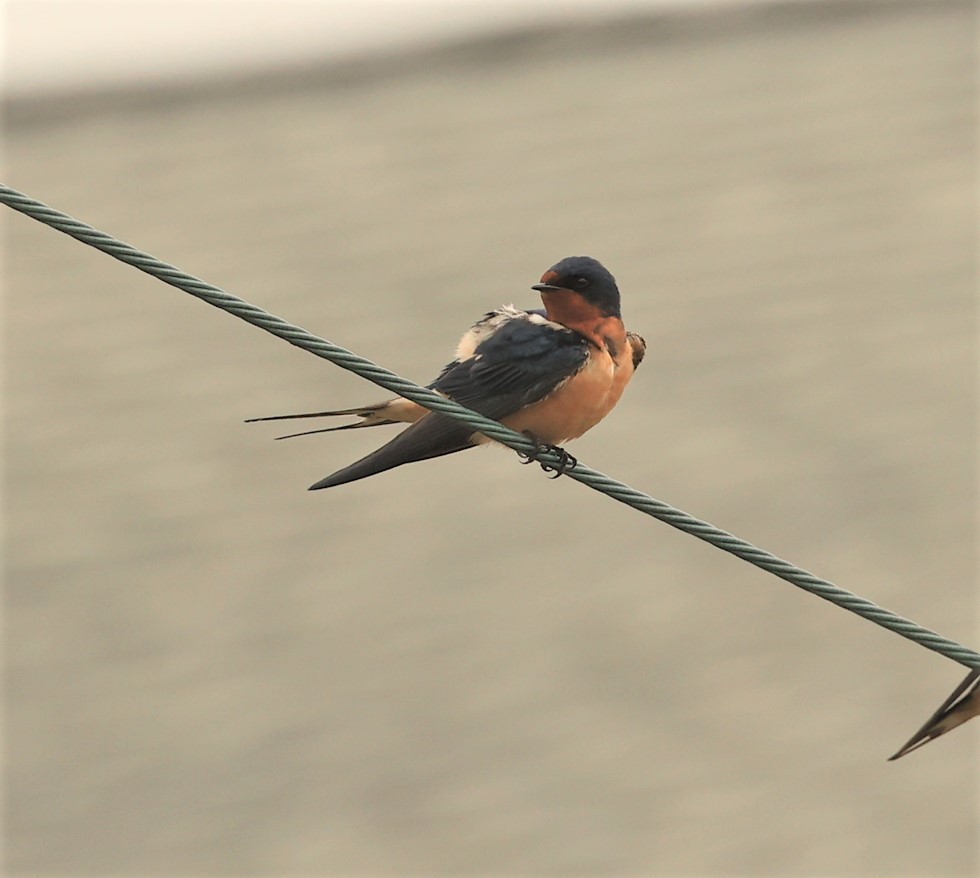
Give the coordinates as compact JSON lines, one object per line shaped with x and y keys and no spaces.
{"x":550,"y":373}
{"x":962,"y":704}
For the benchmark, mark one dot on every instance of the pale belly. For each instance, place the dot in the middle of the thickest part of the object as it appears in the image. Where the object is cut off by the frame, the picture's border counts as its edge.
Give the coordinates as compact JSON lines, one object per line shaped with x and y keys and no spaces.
{"x":578,"y":405}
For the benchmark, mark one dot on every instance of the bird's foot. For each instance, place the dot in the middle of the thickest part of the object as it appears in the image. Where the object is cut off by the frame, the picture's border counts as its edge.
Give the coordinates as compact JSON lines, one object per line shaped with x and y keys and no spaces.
{"x":565,"y":460}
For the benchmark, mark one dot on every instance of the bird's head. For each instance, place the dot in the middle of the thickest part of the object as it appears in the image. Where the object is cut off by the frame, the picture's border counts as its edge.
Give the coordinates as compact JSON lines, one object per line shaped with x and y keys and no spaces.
{"x":586,"y":277}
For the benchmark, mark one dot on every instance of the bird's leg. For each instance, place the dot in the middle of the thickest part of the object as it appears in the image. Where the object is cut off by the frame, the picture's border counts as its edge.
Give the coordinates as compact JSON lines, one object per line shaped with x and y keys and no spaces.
{"x":565,"y":460}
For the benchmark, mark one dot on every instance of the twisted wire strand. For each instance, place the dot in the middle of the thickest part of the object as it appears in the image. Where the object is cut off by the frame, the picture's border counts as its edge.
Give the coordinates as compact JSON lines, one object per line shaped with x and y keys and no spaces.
{"x":350,"y":361}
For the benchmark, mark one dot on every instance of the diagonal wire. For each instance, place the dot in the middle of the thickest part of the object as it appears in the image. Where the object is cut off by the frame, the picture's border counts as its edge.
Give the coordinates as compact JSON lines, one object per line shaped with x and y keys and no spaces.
{"x":495,"y":430}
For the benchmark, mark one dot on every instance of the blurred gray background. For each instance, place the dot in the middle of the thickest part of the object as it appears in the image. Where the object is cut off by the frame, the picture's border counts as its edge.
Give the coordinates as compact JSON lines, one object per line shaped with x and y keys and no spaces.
{"x":460,"y":667}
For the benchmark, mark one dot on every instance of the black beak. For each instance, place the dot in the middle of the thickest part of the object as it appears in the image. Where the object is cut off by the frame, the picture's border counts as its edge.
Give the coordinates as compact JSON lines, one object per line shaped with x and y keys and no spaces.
{"x":545,"y":288}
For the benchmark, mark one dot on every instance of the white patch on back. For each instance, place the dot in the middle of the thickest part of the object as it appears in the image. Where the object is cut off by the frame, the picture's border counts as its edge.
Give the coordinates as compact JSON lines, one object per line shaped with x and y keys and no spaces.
{"x":491,"y":323}
{"x":541,"y":320}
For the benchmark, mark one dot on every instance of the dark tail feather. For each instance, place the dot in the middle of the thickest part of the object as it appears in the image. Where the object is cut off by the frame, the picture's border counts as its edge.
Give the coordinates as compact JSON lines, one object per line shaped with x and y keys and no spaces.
{"x":433,"y":436}
{"x":363,"y":412}
{"x":935,"y":726}
{"x":335,"y":429}
{"x":369,"y":413}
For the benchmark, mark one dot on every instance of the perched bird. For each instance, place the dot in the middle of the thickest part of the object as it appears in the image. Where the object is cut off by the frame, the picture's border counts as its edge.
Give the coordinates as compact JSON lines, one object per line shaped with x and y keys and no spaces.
{"x":962,"y":704}
{"x":551,"y":373}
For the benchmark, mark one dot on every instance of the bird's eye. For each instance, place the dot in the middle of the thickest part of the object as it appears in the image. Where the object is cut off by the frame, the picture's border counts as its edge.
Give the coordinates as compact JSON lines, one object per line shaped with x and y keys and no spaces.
{"x":581,"y":282}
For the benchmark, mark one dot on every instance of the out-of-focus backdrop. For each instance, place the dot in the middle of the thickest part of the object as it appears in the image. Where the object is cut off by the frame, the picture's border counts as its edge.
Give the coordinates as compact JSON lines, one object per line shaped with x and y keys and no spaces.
{"x":460,"y":667}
